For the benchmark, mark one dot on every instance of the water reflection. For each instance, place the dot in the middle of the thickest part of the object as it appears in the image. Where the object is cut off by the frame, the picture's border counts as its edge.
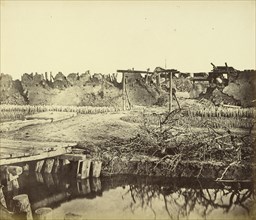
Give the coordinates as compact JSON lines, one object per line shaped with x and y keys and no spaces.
{"x":136,"y":197}
{"x":183,"y":202}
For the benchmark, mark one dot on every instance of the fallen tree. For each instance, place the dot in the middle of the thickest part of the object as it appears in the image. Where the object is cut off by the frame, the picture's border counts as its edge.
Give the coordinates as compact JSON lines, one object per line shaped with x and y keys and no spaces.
{"x":164,"y":148}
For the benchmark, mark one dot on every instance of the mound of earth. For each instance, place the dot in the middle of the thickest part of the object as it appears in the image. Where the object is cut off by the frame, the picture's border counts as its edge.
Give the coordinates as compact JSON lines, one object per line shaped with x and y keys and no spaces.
{"x":11,"y":91}
{"x":243,"y":88}
{"x":105,"y":90}
{"x":76,"y":90}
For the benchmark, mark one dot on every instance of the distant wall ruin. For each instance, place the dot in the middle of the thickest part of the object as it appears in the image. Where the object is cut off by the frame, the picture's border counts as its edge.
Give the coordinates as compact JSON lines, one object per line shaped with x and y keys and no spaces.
{"x":84,"y":89}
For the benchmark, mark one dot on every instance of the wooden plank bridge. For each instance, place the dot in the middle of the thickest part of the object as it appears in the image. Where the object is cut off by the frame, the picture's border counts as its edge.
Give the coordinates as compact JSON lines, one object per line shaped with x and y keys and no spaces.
{"x":17,"y":156}
{"x":18,"y":151}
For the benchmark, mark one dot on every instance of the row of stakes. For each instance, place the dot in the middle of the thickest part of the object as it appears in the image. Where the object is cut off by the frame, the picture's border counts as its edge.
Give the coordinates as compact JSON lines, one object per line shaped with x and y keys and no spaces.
{"x":21,"y":204}
{"x":22,"y":211}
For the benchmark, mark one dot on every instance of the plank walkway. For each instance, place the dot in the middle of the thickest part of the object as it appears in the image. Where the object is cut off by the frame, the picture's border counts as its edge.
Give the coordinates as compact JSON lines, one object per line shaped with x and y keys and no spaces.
{"x":16,"y":151}
{"x":35,"y":119}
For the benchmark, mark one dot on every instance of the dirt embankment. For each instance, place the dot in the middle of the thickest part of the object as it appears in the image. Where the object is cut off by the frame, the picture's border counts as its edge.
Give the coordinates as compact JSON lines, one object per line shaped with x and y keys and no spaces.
{"x":239,"y":88}
{"x":11,"y":91}
{"x":243,"y":88}
{"x":75,"y":90}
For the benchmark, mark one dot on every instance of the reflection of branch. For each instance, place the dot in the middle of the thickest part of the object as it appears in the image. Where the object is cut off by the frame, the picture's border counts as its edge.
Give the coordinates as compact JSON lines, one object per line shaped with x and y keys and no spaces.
{"x":184,"y":201}
{"x":152,"y":210}
{"x":131,"y":190}
{"x":166,"y":207}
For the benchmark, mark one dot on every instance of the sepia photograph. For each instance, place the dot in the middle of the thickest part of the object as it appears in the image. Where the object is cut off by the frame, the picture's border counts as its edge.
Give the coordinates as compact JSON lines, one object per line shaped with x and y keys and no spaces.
{"x":127,"y":110}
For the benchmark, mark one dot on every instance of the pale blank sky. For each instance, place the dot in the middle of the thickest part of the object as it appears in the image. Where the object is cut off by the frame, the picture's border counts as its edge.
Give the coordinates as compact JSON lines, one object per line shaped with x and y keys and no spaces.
{"x":105,"y":36}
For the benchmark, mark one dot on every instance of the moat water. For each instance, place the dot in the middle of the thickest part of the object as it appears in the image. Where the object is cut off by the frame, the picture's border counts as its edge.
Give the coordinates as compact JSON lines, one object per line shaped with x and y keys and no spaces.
{"x":134,"y":197}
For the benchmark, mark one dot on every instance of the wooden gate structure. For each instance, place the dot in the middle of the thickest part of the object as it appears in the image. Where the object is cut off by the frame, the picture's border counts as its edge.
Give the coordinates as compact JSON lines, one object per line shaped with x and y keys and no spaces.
{"x":159,"y":73}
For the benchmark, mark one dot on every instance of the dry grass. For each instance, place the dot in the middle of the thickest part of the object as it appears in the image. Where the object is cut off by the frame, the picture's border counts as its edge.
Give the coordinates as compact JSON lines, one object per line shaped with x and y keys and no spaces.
{"x":223,"y":112}
{"x":14,"y":112}
{"x":195,"y":121}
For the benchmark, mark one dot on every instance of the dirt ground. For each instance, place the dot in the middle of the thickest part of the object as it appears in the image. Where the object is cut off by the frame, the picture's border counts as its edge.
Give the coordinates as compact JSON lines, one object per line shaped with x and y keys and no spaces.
{"x":87,"y":128}
{"x":91,"y":128}
{"x":114,"y":138}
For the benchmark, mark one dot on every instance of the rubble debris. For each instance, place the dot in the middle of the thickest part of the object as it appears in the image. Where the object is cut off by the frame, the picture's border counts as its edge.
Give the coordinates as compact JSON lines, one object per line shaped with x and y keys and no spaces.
{"x":11,"y":91}
{"x":230,"y":86}
{"x":223,"y":85}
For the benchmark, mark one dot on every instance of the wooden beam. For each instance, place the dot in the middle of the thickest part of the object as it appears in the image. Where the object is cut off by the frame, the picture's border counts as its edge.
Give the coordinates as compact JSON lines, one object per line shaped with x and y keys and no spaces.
{"x":44,"y":155}
{"x":10,"y":149}
{"x":33,"y":144}
{"x":148,"y":72}
{"x":134,"y":71}
{"x":199,"y":79}
{"x":168,"y":71}
{"x":170,"y":92}
{"x":124,"y":104}
{"x":73,"y":157}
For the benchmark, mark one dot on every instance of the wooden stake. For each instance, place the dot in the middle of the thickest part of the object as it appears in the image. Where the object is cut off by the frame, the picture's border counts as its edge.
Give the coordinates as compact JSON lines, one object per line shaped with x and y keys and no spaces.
{"x":48,"y":180}
{"x":2,"y":198}
{"x":39,"y":177}
{"x":83,"y":186}
{"x":96,"y":185}
{"x":15,"y":170}
{"x":65,"y":165}
{"x":48,"y":165}
{"x":158,"y":81}
{"x":21,"y":207}
{"x":124,"y":104}
{"x":170,"y":92}
{"x":56,"y":166}
{"x":26,"y":167}
{"x":39,"y":166}
{"x":9,"y":185}
{"x":11,"y":175}
{"x":83,"y":168}
{"x":15,"y":184}
{"x":56,"y":179}
{"x":96,"y":168}
{"x":43,"y":213}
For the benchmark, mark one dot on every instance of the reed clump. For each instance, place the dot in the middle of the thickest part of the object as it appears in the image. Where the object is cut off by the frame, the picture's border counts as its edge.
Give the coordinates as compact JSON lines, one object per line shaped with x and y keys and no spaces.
{"x":16,"y":112}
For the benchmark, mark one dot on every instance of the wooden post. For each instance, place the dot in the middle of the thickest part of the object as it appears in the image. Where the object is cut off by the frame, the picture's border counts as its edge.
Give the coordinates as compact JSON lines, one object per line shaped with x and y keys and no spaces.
{"x":15,"y":184}
{"x":39,"y":166}
{"x":46,"y":76}
{"x":146,"y":79}
{"x":39,"y":177}
{"x":9,"y":186}
{"x":43,"y":213}
{"x":15,"y":170}
{"x":83,"y":186}
{"x":48,"y":180}
{"x":83,"y":168}
{"x":2,"y":198}
{"x":65,"y":165}
{"x":124,"y":104}
{"x":96,"y":185}
{"x":158,"y":81}
{"x":21,"y":207}
{"x":56,"y":179}
{"x":26,"y":167}
{"x":11,"y":175}
{"x":96,"y":168}
{"x":56,"y":165}
{"x":48,"y":165}
{"x":170,"y":91}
